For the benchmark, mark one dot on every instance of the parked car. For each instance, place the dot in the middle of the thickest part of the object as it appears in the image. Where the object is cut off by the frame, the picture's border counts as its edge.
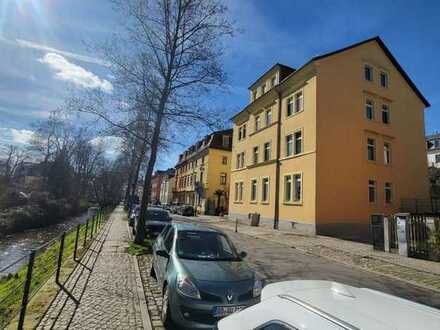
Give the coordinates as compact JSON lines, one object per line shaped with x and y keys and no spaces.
{"x":155,"y":222}
{"x":174,"y":208}
{"x":330,"y":305}
{"x":202,"y":276}
{"x":186,"y":210}
{"x":134,"y":213}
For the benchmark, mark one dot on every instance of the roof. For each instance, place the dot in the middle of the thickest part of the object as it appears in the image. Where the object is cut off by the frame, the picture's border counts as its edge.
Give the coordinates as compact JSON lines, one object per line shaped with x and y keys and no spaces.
{"x":276,"y":65}
{"x":381,"y":45}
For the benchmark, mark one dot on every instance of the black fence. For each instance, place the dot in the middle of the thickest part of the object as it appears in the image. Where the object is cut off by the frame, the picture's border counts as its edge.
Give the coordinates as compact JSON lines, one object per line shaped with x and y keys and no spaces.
{"x":53,"y":260}
{"x":419,"y":228}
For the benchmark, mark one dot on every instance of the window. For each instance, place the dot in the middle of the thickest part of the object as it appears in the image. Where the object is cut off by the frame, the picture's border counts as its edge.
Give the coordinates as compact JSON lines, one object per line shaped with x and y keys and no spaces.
{"x":297,"y":193}
{"x":263,"y":89}
{"x":222,"y":178}
{"x":254,"y":95}
{"x":268,"y":117}
{"x":168,"y":242}
{"x":273,"y":81}
{"x":257,"y":123}
{"x":387,"y":153}
{"x":253,"y":190}
{"x":265,"y":190}
{"x":385,"y":114}
{"x":288,"y":188}
{"x":368,"y":73}
{"x":384,"y":79}
{"x":437,"y":158}
{"x":267,"y":151}
{"x":226,"y":141}
{"x":298,"y":102}
{"x":298,"y":142}
{"x":388,"y":193}
{"x":238,"y":191}
{"x":289,"y":145}
{"x":371,"y":149}
{"x":371,"y":191}
{"x":242,"y":132}
{"x":369,"y":110}
{"x":255,"y":154}
{"x":240,"y":160}
{"x":289,"y":106}
{"x":225,"y":160}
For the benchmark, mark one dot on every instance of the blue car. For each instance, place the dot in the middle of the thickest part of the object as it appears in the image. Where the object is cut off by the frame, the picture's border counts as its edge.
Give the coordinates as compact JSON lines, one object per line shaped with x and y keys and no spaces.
{"x":202,"y":276}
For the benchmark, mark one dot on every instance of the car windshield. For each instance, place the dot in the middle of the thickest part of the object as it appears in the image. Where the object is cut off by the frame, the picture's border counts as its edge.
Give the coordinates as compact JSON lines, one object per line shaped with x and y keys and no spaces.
{"x":157,"y":215}
{"x":204,"y":245}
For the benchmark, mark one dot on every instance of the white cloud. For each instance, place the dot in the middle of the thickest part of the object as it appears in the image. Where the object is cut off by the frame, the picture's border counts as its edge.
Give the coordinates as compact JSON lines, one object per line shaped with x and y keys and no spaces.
{"x":79,"y":57}
{"x":21,"y":136}
{"x":67,"y":71}
{"x":111,"y":145}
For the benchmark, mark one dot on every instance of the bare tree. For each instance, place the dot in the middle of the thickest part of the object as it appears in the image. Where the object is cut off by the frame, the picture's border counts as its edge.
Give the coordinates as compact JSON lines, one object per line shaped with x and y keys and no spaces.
{"x":177,"y":51}
{"x":14,"y":157}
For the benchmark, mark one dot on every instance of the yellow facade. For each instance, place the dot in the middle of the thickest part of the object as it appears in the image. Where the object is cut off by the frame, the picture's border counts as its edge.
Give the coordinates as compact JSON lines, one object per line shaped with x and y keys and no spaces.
{"x":332,"y":130}
{"x":203,"y":174}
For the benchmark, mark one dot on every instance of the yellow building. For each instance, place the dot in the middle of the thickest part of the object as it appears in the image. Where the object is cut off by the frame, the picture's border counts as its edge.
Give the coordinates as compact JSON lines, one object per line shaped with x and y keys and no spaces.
{"x":321,"y":148}
{"x":202,"y":174}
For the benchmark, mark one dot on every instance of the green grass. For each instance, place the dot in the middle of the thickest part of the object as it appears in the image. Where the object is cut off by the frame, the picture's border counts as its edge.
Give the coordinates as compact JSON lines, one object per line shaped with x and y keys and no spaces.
{"x":138,"y":249}
{"x":45,"y":264}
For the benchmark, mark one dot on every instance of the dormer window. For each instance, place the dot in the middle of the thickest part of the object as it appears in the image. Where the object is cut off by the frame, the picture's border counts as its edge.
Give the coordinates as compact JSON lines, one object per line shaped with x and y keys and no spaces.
{"x":263,"y":89}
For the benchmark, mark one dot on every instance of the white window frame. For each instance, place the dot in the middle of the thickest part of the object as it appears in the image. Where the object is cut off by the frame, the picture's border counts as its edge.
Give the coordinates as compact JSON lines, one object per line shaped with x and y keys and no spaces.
{"x":266,"y":115}
{"x":257,"y":123}
{"x":290,"y":101}
{"x":385,"y":109}
{"x":255,"y":155}
{"x":263,"y":187}
{"x":372,"y":183}
{"x":291,"y":144}
{"x":369,"y":103}
{"x":373,"y":145}
{"x":264,"y":151}
{"x":285,"y":188}
{"x":301,"y":139}
{"x":371,"y":72}
{"x":299,"y":108}
{"x":254,"y":200}
{"x":300,"y":200}
{"x":387,"y":153}
{"x":385,"y":74}
{"x":390,"y":189}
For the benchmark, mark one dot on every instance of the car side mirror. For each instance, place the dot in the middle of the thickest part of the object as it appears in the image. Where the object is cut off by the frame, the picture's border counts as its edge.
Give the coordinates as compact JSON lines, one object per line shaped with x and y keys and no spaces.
{"x":243,"y":254}
{"x":162,"y":253}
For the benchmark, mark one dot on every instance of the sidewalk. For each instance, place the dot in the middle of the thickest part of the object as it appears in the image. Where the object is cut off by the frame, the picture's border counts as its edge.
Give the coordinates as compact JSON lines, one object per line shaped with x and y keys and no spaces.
{"x":415,"y":271}
{"x":107,"y":285}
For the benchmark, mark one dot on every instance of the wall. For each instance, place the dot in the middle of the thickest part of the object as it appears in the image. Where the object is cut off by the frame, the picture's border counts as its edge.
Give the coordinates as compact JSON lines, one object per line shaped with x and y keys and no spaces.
{"x":343,"y":170}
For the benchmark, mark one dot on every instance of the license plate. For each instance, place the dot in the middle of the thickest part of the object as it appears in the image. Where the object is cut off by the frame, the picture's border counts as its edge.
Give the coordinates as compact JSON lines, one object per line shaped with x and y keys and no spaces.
{"x":220,"y":311}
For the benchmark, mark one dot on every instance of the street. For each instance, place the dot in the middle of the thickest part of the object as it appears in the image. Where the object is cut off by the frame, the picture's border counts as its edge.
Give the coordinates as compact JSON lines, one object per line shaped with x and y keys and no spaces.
{"x":275,"y":262}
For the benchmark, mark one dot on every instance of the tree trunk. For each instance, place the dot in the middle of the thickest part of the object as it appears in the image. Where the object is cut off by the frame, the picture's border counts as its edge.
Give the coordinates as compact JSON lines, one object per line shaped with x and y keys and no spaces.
{"x":135,"y":178}
{"x":140,"y":228}
{"x":130,"y":178}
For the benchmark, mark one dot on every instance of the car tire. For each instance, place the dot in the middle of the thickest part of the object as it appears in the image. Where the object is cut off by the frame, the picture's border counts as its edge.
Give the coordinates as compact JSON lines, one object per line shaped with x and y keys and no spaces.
{"x":165,"y":314}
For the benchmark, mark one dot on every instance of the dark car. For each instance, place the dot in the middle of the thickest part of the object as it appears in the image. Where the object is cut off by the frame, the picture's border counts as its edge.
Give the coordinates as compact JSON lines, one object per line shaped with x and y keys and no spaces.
{"x":187,"y":210}
{"x":156,"y":220}
{"x":202,"y":276}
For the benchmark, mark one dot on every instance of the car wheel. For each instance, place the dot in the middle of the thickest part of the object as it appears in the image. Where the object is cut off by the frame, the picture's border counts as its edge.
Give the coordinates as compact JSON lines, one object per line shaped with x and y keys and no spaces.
{"x":165,"y":315}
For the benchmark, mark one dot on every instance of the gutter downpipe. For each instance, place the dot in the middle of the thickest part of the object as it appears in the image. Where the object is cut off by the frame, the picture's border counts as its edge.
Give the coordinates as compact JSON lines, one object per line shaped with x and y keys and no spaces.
{"x":276,"y":218}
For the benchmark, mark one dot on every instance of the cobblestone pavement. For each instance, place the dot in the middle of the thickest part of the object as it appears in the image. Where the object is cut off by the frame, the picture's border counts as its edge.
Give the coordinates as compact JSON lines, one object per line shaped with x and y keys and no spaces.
{"x":419,"y":272}
{"x":152,"y":290}
{"x":106,"y":286}
{"x":279,"y":256}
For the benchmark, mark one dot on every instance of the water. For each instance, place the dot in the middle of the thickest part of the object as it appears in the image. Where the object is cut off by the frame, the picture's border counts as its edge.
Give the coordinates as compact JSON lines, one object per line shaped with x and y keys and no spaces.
{"x":17,"y":245}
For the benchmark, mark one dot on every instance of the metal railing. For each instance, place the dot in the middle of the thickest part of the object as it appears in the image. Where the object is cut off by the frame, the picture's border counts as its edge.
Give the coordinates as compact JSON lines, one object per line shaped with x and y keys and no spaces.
{"x":29,"y":273}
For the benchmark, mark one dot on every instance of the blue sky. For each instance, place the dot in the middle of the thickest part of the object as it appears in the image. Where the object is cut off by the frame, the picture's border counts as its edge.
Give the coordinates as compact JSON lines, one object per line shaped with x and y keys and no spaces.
{"x":44,"y":54}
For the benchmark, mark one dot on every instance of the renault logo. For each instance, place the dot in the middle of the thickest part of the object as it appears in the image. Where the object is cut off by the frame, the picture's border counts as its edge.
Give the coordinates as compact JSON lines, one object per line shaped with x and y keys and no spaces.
{"x":229,"y":296}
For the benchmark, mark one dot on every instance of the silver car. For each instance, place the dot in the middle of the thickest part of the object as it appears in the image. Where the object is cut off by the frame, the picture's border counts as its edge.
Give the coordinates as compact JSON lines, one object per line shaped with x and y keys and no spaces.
{"x":202,"y":276}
